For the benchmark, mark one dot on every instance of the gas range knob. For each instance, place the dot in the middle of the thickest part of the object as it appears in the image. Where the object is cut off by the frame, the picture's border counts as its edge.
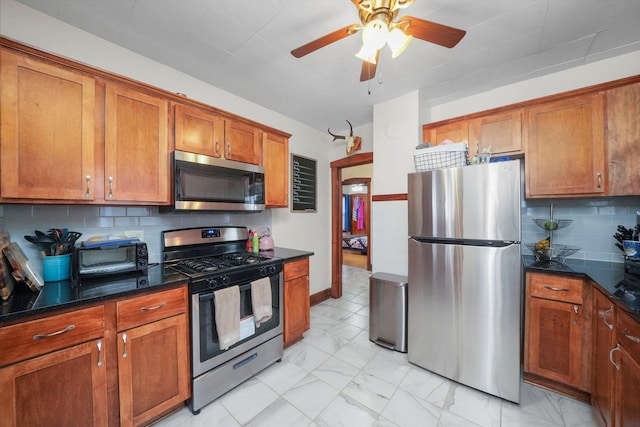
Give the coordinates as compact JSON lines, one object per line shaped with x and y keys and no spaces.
{"x":212,"y":283}
{"x":224,"y":280}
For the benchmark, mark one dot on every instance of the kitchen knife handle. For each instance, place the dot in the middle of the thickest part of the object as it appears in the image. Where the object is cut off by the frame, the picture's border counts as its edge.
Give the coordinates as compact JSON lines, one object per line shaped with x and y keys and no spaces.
{"x":52,"y":334}
{"x":604,"y":318}
{"x":553,"y":288}
{"x":110,"y":186}
{"x":616,"y":348}
{"x":625,"y":332}
{"x":124,"y":350}
{"x":99,"y":345}
{"x":88,"y":180}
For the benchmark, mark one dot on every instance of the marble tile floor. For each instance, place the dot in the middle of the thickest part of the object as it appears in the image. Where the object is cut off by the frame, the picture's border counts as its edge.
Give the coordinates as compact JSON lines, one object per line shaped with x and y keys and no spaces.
{"x":337,"y":377}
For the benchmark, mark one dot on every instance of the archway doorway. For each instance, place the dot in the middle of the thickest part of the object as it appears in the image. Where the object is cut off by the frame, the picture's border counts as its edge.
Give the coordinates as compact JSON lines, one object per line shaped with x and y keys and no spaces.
{"x":336,"y":217}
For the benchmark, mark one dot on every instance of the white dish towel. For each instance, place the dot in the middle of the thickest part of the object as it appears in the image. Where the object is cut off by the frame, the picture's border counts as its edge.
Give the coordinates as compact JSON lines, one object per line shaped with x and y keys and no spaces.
{"x":227,"y":307}
{"x":261,"y":300}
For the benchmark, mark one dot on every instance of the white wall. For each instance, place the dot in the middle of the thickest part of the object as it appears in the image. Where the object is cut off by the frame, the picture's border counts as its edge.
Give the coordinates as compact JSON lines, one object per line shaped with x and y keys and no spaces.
{"x":396,"y":130}
{"x":308,"y":231}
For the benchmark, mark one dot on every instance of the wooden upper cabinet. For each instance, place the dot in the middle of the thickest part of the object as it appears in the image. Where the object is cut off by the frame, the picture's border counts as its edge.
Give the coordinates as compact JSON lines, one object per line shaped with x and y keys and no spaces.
{"x":502,"y":133}
{"x":565,"y":153}
{"x":47,"y":136}
{"x":242,"y":142}
{"x":198,"y":131}
{"x":623,"y":139}
{"x":275,"y":154}
{"x":136,"y":146}
{"x":456,"y":131}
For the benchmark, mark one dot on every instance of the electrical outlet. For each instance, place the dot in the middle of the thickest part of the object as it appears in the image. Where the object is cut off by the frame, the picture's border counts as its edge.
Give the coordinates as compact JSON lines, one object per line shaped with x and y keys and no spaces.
{"x":135,"y":234}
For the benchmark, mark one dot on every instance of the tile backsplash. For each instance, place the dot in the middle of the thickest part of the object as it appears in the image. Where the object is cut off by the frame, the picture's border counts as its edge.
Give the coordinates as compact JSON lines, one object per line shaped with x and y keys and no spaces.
{"x":595,"y":221}
{"x":21,"y":220}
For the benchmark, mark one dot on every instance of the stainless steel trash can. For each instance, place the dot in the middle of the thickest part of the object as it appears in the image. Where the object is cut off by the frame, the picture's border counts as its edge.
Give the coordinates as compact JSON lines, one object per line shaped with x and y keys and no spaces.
{"x":388,"y":311}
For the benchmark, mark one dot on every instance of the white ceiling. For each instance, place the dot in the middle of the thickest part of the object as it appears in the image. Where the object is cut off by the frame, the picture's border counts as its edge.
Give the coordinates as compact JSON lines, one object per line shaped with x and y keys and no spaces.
{"x":243,"y":47}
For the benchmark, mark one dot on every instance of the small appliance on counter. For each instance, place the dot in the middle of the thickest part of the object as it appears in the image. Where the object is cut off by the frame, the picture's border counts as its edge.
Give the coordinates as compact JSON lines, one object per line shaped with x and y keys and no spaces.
{"x":106,"y":257}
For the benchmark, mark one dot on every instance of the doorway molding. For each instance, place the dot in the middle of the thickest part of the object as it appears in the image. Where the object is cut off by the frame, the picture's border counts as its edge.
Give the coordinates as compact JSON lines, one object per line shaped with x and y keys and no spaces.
{"x":367,"y":213}
{"x":336,"y":216}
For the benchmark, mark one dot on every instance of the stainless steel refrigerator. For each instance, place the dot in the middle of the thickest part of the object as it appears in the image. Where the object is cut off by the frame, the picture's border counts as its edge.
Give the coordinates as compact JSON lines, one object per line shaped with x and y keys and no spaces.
{"x":465,"y":275}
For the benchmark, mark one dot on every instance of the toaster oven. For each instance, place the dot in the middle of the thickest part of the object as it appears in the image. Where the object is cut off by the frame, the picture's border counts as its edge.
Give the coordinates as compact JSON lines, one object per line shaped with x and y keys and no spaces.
{"x":103,"y":259}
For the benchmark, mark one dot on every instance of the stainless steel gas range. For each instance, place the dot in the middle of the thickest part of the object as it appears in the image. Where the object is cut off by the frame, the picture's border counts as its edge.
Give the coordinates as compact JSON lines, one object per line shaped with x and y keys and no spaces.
{"x":215,"y":258}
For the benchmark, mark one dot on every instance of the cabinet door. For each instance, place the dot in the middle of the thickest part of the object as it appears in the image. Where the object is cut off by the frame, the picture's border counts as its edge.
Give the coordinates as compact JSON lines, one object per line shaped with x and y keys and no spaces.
{"x":153,"y":369}
{"x":623,"y":134}
{"x":198,"y":131}
{"x":502,"y":133}
{"x":136,"y":147}
{"x":565,"y":148}
{"x":627,"y":390}
{"x":47,"y":135}
{"x":64,"y":388}
{"x":242,"y":142}
{"x":456,"y":132}
{"x":296,"y":309}
{"x":554,"y":341}
{"x":603,"y":342}
{"x":275,"y":154}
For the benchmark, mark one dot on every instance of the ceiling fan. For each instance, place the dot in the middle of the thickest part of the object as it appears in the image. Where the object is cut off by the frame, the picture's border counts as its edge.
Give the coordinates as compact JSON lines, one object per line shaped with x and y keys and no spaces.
{"x":379,"y":27}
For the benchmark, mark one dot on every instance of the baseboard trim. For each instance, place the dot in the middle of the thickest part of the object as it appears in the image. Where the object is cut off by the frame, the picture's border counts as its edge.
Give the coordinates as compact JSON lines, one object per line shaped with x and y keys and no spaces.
{"x":318,"y":297}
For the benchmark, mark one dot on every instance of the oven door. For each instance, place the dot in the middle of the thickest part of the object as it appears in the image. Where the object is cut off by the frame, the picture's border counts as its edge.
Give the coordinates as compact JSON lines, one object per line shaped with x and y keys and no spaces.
{"x":206,"y":347}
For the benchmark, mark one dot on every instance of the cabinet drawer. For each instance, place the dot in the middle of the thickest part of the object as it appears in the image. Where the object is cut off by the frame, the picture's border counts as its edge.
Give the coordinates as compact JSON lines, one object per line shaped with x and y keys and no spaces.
{"x":295,"y":269}
{"x":149,"y":308}
{"x":32,"y":338}
{"x":628,"y":335}
{"x":557,"y":288}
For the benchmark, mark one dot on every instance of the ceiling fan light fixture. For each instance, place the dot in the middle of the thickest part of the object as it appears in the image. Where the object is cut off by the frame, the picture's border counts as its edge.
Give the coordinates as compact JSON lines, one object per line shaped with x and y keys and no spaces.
{"x":375,"y":34}
{"x":398,"y":41}
{"x":367,"y":53}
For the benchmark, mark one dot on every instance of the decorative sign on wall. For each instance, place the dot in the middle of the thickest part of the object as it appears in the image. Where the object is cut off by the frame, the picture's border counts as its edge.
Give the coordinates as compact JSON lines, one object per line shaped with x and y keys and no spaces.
{"x":303,"y":184}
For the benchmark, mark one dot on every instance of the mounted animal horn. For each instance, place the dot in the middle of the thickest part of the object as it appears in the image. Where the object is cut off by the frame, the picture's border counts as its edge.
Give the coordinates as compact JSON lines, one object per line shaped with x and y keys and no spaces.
{"x":353,"y":143}
{"x":335,"y":137}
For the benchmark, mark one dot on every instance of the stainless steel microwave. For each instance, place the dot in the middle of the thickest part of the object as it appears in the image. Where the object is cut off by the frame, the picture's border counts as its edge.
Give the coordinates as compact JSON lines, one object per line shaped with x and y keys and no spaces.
{"x":204,"y":183}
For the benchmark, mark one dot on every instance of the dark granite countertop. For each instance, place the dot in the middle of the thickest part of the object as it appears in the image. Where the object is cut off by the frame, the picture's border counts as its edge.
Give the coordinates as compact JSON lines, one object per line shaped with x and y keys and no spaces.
{"x":56,"y":296}
{"x":605,"y":275}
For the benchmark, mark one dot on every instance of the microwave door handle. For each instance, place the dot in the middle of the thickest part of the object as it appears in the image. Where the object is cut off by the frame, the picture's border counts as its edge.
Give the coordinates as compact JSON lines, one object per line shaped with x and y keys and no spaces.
{"x":178,"y":185}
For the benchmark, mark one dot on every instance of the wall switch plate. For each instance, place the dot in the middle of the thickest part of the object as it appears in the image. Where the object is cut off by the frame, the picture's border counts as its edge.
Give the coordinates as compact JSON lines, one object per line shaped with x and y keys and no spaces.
{"x":135,"y":234}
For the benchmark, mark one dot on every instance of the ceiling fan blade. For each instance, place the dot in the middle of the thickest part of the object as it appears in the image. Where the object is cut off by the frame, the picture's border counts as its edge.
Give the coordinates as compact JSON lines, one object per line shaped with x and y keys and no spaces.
{"x":325,"y":40}
{"x":432,"y":32}
{"x":368,"y":70}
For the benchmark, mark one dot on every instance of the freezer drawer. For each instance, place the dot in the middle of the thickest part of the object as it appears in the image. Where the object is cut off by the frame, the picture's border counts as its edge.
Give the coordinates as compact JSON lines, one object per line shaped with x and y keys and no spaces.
{"x":388,"y":311}
{"x":465,"y":314}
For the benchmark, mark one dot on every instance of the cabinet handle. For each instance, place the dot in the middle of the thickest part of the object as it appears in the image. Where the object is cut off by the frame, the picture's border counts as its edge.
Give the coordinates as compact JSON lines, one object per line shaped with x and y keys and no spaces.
{"x":155,"y":307}
{"x":228,"y":148}
{"x":88,"y":181}
{"x":110,"y":187}
{"x":52,"y":334}
{"x":625,"y":332}
{"x":604,"y":318}
{"x":99,"y":345}
{"x":124,"y":350}
{"x":217,"y":148}
{"x":599,"y":175}
{"x":575,"y":310}
{"x":616,"y":348}
{"x":553,"y":288}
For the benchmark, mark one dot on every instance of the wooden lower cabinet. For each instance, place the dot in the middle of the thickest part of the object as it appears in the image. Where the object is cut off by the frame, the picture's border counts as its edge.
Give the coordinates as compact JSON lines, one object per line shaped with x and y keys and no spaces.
{"x":64,"y":388}
{"x":558,"y":334}
{"x":604,"y":313}
{"x":123,"y":363}
{"x":153,"y":369}
{"x":626,"y":356}
{"x":296,"y":300}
